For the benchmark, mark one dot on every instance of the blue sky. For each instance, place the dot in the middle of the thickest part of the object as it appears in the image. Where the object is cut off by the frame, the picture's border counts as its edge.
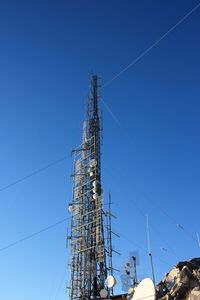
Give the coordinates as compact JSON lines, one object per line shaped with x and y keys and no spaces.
{"x":150,"y":159}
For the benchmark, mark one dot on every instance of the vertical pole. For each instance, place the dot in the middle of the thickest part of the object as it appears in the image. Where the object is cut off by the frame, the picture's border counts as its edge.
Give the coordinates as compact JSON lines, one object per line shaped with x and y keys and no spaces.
{"x":149,"y":250}
{"x":198,"y":240}
{"x":110,"y":239}
{"x":148,"y":236}
{"x":110,"y":235}
{"x":135,"y":272}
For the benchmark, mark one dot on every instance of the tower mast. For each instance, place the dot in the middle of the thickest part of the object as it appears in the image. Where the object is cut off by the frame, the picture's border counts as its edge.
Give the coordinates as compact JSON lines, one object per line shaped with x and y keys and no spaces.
{"x":88,"y":250}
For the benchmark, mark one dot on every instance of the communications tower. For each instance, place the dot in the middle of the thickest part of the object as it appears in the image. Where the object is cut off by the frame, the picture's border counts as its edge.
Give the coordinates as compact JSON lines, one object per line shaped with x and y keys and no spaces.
{"x":90,"y":236}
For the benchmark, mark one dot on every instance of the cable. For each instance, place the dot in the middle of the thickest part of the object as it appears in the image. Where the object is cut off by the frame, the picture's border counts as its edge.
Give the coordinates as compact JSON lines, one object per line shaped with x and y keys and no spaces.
{"x":144,"y":215}
{"x":62,"y":281}
{"x":145,"y":251}
{"x":110,"y":112}
{"x":157,"y":234}
{"x":155,"y":256}
{"x":160,"y":208}
{"x":30,"y":236}
{"x":62,"y":221}
{"x":153,"y":45}
{"x":33,"y":173}
{"x":116,"y":120}
{"x":106,"y":106}
{"x":142,"y":55}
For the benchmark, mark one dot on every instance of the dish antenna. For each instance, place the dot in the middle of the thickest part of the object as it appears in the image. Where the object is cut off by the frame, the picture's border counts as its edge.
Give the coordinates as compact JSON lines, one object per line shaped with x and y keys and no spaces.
{"x":111,"y":281}
{"x":103,"y":293}
{"x":145,"y":290}
{"x":73,"y":208}
{"x":93,"y":163}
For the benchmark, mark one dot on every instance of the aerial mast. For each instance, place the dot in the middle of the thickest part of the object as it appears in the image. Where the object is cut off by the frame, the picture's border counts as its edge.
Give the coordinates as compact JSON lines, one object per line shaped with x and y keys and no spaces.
{"x":88,"y":245}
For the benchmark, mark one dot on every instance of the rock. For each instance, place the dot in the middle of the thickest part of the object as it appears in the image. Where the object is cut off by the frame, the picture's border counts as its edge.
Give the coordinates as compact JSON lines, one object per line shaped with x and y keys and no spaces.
{"x":181,"y":283}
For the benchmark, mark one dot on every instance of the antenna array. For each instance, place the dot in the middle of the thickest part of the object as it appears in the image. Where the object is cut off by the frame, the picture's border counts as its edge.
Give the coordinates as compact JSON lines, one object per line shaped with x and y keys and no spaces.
{"x":91,"y":252}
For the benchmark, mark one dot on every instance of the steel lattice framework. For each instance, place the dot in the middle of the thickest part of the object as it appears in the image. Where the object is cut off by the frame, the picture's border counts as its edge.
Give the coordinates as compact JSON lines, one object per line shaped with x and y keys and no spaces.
{"x":91,"y":252}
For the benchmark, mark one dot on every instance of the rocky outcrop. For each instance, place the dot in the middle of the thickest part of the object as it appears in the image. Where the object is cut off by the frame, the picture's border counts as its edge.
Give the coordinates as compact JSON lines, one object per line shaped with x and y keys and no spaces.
{"x":181,"y":283}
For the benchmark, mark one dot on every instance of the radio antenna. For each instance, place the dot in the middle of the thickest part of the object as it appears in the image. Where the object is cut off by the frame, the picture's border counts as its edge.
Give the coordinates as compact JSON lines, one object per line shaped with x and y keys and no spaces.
{"x":149,"y":249}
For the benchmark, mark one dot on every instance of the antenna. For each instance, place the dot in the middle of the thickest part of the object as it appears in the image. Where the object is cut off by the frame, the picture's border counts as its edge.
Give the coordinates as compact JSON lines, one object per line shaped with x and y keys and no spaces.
{"x":89,"y":256}
{"x":110,"y":280}
{"x":109,"y":234}
{"x":198,"y":240}
{"x":149,"y":250}
{"x":135,"y":282}
{"x":129,"y":272}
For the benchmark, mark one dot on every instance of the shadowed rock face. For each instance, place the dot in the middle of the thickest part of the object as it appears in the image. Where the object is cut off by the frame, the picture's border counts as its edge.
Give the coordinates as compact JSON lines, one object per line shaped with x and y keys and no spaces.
{"x":181,"y":283}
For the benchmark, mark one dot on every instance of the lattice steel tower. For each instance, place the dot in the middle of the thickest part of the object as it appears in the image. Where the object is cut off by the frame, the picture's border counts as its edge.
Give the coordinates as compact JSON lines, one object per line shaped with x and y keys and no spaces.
{"x":91,"y":253}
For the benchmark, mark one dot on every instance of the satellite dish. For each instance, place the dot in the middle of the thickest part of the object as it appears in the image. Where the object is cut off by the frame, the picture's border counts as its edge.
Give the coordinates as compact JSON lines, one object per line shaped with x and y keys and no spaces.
{"x":95,"y":183}
{"x":70,"y":208}
{"x":93,"y":163}
{"x":103,"y":293}
{"x":145,"y":290}
{"x":73,"y":208}
{"x":95,"y":196}
{"x":111,"y":281}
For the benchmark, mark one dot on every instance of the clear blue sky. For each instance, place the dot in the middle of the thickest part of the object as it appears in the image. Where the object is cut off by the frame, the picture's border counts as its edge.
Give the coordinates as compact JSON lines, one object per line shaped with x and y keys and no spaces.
{"x":47,"y":49}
